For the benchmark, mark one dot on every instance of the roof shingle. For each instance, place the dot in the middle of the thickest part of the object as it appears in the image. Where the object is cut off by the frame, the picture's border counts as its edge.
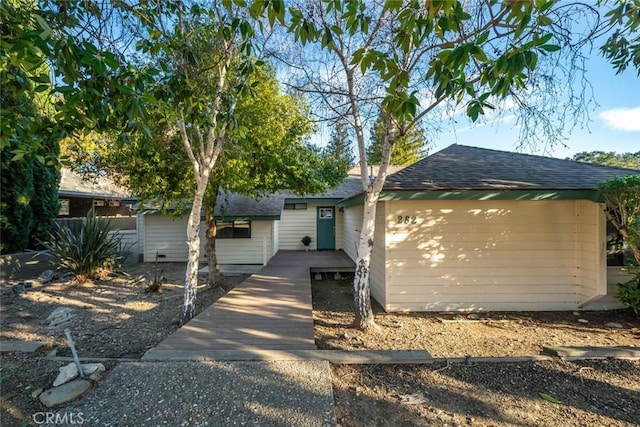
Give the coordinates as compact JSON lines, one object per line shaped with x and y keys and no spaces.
{"x":460,"y":167}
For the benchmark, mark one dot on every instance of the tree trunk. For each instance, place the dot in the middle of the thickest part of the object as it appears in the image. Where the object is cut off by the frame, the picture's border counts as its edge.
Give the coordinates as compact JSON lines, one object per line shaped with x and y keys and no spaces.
{"x":361,"y":289}
{"x":212,"y":259}
{"x":193,"y":245}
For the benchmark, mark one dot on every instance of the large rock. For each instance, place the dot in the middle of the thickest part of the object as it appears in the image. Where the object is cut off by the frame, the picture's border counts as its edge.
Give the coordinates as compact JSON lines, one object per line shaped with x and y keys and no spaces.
{"x":70,"y":371}
{"x":64,"y":393}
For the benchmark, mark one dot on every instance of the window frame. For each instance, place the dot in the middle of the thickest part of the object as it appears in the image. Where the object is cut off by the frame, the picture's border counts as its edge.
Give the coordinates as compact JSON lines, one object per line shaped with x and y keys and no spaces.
{"x":236,"y":231}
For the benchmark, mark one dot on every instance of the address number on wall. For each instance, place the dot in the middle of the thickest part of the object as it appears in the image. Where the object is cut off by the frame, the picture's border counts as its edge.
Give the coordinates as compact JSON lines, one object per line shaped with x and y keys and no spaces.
{"x":407,"y":219}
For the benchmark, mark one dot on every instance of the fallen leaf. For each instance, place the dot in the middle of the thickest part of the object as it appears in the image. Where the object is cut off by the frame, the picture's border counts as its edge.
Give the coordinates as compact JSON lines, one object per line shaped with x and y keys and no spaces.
{"x":550,"y":398}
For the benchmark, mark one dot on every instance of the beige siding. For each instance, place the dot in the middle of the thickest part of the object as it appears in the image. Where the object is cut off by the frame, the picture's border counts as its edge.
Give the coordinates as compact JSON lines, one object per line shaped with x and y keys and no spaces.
{"x":486,"y":255}
{"x":378,"y":268}
{"x":590,"y":250}
{"x":295,"y":224}
{"x":167,"y":236}
{"x":352,"y":220}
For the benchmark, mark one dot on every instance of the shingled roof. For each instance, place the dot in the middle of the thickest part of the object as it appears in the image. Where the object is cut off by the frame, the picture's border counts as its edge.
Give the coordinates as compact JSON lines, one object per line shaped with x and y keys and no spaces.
{"x":460,"y":167}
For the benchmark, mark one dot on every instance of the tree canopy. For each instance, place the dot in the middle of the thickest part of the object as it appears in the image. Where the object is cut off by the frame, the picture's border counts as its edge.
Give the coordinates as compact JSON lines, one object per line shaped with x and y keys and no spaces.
{"x":609,"y":158}
{"x":406,"y":149}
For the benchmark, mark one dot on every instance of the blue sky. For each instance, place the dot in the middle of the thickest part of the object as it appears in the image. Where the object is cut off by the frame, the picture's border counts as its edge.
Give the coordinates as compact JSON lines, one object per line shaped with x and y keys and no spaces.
{"x":614,"y":126}
{"x":614,"y":123}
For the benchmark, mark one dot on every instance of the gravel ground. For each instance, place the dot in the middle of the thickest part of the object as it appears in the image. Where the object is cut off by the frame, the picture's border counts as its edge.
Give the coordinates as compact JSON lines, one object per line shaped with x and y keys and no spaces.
{"x":211,"y":394}
{"x":550,"y":394}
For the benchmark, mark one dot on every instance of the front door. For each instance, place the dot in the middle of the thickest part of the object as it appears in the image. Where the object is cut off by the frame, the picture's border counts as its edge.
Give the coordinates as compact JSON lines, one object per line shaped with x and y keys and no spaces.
{"x":326,"y":220}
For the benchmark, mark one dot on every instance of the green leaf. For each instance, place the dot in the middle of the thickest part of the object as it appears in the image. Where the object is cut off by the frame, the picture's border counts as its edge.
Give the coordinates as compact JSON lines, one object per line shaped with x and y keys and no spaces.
{"x":549,"y":398}
{"x":126,"y":89}
{"x":550,"y":47}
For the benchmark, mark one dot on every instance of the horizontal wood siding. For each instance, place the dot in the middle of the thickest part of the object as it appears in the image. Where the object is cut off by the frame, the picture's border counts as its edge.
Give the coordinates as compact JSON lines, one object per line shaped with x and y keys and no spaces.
{"x":167,"y":236}
{"x":481,"y":255}
{"x":294,"y":225}
{"x":378,"y":257}
{"x":297,"y":223}
{"x":352,"y":220}
{"x":587,"y":249}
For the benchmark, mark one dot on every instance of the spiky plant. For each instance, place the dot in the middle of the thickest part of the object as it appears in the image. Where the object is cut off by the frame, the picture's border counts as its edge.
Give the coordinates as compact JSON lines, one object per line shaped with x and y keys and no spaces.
{"x":87,"y":251}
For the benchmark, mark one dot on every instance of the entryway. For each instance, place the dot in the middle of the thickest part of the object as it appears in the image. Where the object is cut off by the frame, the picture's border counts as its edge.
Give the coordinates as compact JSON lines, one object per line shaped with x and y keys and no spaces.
{"x":326,"y":226}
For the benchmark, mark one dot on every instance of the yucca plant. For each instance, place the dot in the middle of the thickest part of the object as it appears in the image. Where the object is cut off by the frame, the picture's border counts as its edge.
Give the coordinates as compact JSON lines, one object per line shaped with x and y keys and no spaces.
{"x":87,"y":251}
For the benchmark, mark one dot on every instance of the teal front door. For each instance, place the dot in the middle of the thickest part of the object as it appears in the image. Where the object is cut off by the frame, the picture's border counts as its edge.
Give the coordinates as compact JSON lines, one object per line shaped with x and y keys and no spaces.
{"x":326,"y":221}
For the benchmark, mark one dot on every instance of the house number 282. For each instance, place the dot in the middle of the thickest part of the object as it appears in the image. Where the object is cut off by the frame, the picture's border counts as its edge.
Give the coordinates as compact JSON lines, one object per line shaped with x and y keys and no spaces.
{"x":407,"y":219}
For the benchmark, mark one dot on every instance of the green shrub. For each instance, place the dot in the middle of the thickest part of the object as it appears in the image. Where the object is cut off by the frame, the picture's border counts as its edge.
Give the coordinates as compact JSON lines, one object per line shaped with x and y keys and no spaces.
{"x":629,"y":293}
{"x":87,"y":251}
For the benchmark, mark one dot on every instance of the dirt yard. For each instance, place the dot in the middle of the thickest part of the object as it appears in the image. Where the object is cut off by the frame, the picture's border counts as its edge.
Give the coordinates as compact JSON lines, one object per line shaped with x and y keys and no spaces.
{"x":117,"y":319}
{"x":114,"y":318}
{"x":549,"y":393}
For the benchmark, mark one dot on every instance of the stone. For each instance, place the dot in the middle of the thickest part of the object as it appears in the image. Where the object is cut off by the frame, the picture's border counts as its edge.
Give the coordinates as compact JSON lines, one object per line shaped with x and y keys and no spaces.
{"x":45,"y":277}
{"x":96,"y":376}
{"x":18,"y":289}
{"x":70,"y":371}
{"x":575,"y":313}
{"x":583,"y":321}
{"x":473,"y":316}
{"x":64,"y":393}
{"x":613,"y":325}
{"x":22,"y":346}
{"x":37,"y":393}
{"x":60,"y":316}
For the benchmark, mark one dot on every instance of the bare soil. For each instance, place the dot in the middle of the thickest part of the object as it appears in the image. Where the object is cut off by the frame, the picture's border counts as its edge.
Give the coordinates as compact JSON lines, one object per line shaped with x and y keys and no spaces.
{"x":549,"y":393}
{"x":113,"y":318}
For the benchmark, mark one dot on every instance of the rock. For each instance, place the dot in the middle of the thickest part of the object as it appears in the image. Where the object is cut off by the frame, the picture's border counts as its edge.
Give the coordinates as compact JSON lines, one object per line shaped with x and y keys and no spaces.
{"x":37,"y":393}
{"x":64,"y":393}
{"x":583,"y":321}
{"x":45,"y":277}
{"x":70,"y":371}
{"x":96,"y":376}
{"x":473,"y":316}
{"x":18,"y":289}
{"x":613,"y":325}
{"x":575,"y":313}
{"x":60,"y":316}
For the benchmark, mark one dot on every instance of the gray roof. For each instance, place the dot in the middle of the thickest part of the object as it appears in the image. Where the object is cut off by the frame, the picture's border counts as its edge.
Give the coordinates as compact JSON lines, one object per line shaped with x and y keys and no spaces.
{"x":233,"y":205}
{"x":74,"y":184}
{"x":460,"y":167}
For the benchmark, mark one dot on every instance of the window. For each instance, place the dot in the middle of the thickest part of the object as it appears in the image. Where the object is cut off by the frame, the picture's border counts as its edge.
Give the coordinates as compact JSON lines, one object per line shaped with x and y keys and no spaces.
{"x":295,"y":206}
{"x":233,"y":230}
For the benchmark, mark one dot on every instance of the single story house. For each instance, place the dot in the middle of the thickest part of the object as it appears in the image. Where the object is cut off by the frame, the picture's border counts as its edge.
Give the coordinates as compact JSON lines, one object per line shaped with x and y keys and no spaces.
{"x":464,"y":229}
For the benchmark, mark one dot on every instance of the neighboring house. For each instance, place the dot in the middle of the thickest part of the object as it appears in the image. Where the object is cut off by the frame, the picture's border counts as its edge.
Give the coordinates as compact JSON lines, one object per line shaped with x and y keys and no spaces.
{"x":463,"y":229}
{"x":79,"y":195}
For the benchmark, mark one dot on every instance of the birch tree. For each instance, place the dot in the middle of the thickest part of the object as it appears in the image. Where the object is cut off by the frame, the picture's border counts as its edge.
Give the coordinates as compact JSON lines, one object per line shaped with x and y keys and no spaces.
{"x":420,"y":62}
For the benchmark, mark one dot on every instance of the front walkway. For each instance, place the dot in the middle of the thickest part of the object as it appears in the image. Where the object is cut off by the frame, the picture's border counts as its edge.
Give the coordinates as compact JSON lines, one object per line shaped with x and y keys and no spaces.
{"x":270,"y":311}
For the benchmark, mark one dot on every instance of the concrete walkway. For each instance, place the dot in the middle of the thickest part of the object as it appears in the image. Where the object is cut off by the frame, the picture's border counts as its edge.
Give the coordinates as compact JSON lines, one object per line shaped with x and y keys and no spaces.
{"x":270,"y":311}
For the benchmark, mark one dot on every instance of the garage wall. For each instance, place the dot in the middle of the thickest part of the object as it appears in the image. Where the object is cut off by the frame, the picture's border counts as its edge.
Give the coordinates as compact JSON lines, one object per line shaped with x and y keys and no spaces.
{"x":167,"y":236}
{"x":486,"y":255}
{"x":591,"y":275}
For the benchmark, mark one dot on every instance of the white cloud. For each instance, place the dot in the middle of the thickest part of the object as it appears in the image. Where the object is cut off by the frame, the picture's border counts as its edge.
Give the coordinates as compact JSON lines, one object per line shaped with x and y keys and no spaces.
{"x":624,"y":119}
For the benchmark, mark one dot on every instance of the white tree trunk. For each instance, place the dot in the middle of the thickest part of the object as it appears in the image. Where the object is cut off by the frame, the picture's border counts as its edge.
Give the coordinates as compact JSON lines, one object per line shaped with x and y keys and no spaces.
{"x":361,"y":283}
{"x":193,"y":245}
